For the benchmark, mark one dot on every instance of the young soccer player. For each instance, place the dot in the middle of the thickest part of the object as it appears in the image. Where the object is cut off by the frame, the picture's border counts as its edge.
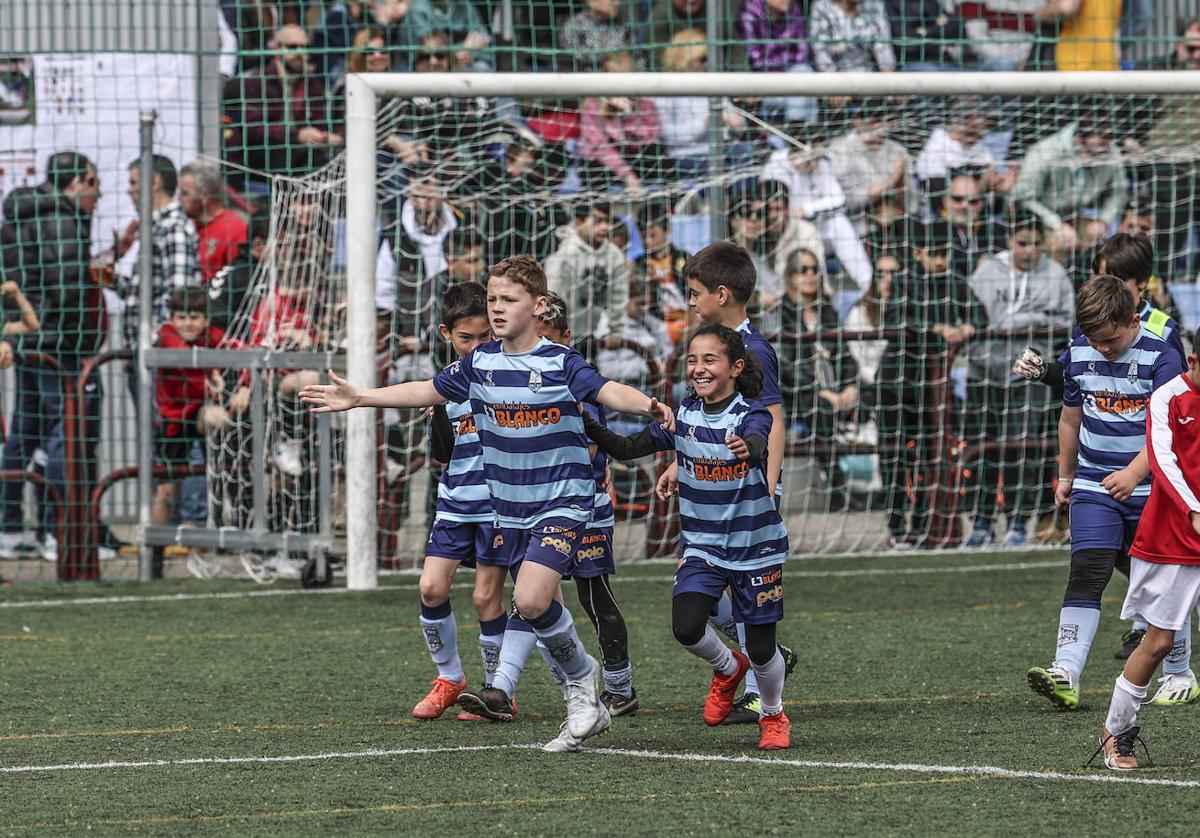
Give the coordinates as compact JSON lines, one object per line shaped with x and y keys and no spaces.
{"x":1129,"y":257}
{"x":732,"y":531}
{"x":594,"y":561}
{"x":1164,"y":580}
{"x":525,"y":393}
{"x":462,"y":530}
{"x":1110,"y":371}
{"x":720,"y":282}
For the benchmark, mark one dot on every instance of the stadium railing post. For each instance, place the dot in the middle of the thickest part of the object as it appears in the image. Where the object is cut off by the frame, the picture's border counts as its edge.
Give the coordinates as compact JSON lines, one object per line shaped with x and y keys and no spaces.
{"x":145,"y":417}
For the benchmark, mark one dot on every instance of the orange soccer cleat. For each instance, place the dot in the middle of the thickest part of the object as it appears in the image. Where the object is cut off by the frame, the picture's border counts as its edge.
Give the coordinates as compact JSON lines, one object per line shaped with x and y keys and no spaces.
{"x":774,"y":732}
{"x":721,"y":692}
{"x":442,"y":697}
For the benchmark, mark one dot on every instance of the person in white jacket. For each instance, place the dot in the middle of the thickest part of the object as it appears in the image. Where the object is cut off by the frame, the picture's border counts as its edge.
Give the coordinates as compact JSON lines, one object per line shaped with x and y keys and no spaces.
{"x":817,"y":196}
{"x":590,"y":273}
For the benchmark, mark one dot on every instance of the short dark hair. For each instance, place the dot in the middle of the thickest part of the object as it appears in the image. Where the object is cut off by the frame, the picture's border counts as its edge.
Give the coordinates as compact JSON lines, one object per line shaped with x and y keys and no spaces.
{"x":935,"y":236}
{"x":462,"y":239}
{"x":260,"y":225}
{"x":1128,"y":257}
{"x":466,"y":299}
{"x":164,"y":168}
{"x":1022,"y":219}
{"x":523,"y":270}
{"x":723,"y":263}
{"x":1104,"y":300}
{"x":64,"y":167}
{"x":655,"y":212}
{"x":555,"y":316}
{"x":596,"y":207}
{"x":189,"y":300}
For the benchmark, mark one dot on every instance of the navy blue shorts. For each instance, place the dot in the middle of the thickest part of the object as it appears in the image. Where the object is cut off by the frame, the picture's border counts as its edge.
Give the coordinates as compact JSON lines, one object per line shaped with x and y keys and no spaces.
{"x":470,"y":543}
{"x":552,"y":542}
{"x":757,"y":594}
{"x":595,"y":555}
{"x":1100,"y":523}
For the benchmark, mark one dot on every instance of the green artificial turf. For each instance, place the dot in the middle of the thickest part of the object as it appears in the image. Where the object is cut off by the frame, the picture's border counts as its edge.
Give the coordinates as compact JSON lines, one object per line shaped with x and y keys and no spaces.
{"x":895,"y":668}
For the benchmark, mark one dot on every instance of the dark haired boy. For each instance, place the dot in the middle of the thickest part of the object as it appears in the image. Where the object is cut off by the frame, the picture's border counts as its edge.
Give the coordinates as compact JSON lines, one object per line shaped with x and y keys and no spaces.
{"x":1110,"y":371}
{"x":590,"y":272}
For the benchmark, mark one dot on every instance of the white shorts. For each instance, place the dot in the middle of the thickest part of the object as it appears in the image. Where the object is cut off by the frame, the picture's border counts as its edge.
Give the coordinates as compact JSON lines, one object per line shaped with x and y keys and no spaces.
{"x":1161,"y":594}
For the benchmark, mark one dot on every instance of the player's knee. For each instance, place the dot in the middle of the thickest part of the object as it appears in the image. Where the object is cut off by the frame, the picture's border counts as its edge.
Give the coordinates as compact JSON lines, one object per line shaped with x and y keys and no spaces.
{"x":531,"y":604}
{"x":488,"y":598}
{"x":434,"y":589}
{"x":688,"y":628}
{"x":1158,"y":643}
{"x":1090,"y":571}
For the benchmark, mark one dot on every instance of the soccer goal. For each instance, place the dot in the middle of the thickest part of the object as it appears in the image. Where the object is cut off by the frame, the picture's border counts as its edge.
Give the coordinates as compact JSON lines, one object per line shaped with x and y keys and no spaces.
{"x":912,"y":235}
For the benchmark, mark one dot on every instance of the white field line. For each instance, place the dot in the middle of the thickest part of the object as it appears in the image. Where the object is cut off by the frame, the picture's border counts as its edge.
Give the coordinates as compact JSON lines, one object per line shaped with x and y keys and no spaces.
{"x":277,"y":592}
{"x":901,"y":767}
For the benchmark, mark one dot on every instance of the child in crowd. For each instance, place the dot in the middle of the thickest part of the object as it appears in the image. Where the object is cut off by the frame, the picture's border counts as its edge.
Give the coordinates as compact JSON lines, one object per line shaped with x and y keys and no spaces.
{"x":732,"y":531}
{"x":182,"y":397}
{"x":463,"y":532}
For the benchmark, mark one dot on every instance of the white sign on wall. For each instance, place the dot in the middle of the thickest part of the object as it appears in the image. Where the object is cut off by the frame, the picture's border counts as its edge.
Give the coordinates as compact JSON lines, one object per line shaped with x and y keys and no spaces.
{"x":92,"y":103}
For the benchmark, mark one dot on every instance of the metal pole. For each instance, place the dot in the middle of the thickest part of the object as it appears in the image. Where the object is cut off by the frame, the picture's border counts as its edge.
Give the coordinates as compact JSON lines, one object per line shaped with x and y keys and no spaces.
{"x":145,"y":342}
{"x":716,"y":145}
{"x":361,"y":511}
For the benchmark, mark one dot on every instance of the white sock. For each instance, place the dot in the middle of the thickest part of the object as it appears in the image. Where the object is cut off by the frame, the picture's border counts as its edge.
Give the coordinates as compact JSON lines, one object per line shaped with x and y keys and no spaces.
{"x":1127,"y":698}
{"x":1076,"y":630}
{"x":560,"y":677}
{"x":1179,"y":660}
{"x":714,"y":652}
{"x":722,"y":618}
{"x":770,"y":683}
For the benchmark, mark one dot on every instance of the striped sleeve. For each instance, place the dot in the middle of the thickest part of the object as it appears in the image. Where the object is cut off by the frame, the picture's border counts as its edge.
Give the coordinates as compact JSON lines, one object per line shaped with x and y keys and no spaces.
{"x":1164,"y":462}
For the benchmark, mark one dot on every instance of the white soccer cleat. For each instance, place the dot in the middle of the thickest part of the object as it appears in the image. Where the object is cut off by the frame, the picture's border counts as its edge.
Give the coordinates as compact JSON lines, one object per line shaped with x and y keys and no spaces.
{"x":584,"y":709}
{"x":564,"y":743}
{"x":1176,"y":690}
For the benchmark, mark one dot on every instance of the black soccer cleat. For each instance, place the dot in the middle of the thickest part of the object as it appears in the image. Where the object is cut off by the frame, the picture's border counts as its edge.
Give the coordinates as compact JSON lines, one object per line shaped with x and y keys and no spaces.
{"x":1130,"y":640}
{"x":490,"y":702}
{"x":790,"y":659}
{"x":618,"y":705}
{"x":746,"y":710}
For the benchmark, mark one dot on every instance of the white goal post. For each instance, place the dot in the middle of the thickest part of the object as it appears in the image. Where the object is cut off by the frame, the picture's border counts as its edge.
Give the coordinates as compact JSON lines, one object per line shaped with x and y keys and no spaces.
{"x":363,"y":91}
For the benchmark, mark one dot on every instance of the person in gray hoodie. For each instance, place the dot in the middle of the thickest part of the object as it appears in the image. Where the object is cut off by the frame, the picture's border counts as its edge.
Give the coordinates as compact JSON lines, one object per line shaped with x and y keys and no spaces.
{"x":1023,"y":291}
{"x":591,"y":274}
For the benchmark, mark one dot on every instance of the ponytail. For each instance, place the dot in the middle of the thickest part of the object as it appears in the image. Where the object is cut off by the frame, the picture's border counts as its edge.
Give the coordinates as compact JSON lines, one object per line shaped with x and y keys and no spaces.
{"x":749,"y":381}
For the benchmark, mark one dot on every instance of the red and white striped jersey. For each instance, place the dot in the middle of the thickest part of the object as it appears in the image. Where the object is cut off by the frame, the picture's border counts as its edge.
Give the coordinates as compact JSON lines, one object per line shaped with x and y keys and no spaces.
{"x":1165,"y":532}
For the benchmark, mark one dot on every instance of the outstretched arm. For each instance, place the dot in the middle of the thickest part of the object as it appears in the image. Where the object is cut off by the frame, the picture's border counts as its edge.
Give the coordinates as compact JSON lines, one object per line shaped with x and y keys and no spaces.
{"x":625,"y":399}
{"x":342,"y":395}
{"x":619,"y":446}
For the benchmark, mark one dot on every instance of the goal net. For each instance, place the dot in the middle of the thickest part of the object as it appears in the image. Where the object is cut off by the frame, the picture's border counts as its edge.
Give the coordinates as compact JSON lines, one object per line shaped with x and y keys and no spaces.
{"x":907,"y":250}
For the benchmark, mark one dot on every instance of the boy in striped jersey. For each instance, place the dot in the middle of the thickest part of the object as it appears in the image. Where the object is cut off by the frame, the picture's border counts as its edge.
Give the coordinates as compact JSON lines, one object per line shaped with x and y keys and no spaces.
{"x":732,"y":534}
{"x":1110,"y":372}
{"x":462,"y":530}
{"x":525,"y":394}
{"x":720,"y":282}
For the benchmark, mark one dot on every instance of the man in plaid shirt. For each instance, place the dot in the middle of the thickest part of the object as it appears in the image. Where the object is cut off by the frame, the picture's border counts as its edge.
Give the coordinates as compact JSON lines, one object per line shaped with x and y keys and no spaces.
{"x":175,"y":258}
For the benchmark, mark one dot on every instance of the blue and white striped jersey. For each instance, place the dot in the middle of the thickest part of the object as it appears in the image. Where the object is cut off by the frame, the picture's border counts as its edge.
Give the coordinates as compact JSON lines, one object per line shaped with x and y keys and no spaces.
{"x":462,"y":492}
{"x":526,"y":408}
{"x":603,"y":514}
{"x":1115,"y":397}
{"x":726,"y":515}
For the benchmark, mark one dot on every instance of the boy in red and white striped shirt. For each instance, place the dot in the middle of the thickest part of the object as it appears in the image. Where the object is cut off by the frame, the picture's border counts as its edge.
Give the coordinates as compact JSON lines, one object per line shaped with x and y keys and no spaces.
{"x":1164,"y":577}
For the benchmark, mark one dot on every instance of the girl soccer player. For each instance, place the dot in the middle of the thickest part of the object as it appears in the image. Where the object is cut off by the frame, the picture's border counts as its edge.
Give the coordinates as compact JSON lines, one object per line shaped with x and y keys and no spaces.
{"x":733,"y":533}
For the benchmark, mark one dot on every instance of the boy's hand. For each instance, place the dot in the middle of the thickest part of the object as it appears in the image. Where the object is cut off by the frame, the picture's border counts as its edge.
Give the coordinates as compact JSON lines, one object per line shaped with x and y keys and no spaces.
{"x":240,"y":400}
{"x":1195,"y":516}
{"x":668,"y":483}
{"x":608,"y":484}
{"x":663,"y":414}
{"x":1120,"y":484}
{"x":1062,"y":493}
{"x":9,"y":289}
{"x":739,"y":448}
{"x":331,"y":398}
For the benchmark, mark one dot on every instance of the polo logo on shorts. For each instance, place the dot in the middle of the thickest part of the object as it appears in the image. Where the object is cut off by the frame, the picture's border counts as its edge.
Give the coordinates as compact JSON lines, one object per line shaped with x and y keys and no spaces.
{"x":589,"y":554}
{"x":535,"y":380}
{"x":559,"y":544}
{"x":773,"y":595}
{"x":1068,"y":634}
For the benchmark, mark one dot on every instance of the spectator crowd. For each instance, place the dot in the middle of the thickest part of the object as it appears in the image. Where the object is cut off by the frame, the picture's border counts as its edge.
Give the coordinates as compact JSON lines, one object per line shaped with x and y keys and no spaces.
{"x":906,"y":250}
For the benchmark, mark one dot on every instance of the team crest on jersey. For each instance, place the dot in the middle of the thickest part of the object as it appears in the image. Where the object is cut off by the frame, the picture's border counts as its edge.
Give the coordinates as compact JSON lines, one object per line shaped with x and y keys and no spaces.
{"x":1091,"y":367}
{"x":535,"y":380}
{"x":454,"y":368}
{"x":691,"y":434}
{"x":1133,"y":373}
{"x":487,"y":379}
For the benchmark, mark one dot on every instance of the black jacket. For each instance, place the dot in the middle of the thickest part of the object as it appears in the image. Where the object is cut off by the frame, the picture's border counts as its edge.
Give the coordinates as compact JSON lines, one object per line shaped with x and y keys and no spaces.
{"x":45,"y":246}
